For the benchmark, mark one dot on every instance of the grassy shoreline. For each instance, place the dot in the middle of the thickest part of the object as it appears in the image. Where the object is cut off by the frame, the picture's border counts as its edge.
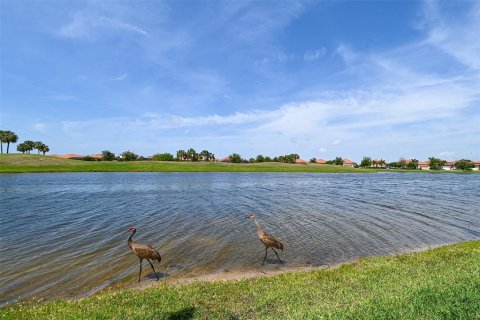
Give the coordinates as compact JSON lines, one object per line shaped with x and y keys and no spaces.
{"x":19,"y":163}
{"x":30,"y":163}
{"x":440,"y":283}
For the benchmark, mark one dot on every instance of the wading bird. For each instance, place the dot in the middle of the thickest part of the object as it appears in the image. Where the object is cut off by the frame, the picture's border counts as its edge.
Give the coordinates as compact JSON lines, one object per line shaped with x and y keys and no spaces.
{"x":268,"y":240}
{"x":143,"y":251}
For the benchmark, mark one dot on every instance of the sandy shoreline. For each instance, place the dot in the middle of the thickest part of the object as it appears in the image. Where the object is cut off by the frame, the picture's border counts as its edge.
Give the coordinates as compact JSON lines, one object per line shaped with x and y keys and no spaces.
{"x":221,"y":276}
{"x":235,"y":275}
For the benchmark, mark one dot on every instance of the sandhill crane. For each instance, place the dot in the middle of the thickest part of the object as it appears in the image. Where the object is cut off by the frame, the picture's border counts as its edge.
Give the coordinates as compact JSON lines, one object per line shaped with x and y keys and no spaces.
{"x":143,"y":251}
{"x":268,"y":240}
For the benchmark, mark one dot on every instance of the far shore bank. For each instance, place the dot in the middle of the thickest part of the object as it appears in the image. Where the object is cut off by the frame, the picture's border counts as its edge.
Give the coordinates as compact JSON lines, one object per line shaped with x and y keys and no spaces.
{"x":29,"y":163}
{"x":19,"y":163}
{"x":442,"y":282}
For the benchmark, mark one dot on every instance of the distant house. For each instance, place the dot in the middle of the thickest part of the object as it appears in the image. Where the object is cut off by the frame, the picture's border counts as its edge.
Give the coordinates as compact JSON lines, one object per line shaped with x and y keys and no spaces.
{"x":348,"y":163}
{"x":69,"y":156}
{"x":97,"y":156}
{"x":320,"y":161}
{"x":477,"y":165}
{"x":424,"y":165}
{"x":300,"y":161}
{"x":226,"y":159}
{"x":449,"y":165}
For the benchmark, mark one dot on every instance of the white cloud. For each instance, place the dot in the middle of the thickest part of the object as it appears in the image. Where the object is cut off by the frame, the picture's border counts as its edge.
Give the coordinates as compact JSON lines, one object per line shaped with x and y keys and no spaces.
{"x":458,"y":39}
{"x":314,"y":55}
{"x":256,"y":21}
{"x":119,"y":78}
{"x":346,"y":53}
{"x":236,"y":118}
{"x":368,"y":118}
{"x":39,"y":126}
{"x":279,"y":57}
{"x":393,"y":95}
{"x":88,"y":26}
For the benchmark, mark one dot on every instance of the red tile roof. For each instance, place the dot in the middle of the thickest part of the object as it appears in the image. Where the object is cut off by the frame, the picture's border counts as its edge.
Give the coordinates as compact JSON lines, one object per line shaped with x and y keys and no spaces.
{"x":70,"y":156}
{"x":320,"y":161}
{"x":300,"y":161}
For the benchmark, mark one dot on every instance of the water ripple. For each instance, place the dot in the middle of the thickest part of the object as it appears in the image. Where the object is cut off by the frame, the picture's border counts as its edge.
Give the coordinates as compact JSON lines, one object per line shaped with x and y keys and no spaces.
{"x":65,"y":234}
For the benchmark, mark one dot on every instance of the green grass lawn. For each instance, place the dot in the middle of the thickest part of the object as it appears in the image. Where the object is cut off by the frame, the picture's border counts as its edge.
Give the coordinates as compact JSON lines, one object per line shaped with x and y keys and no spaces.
{"x":18,"y":163}
{"x":441,"y":283}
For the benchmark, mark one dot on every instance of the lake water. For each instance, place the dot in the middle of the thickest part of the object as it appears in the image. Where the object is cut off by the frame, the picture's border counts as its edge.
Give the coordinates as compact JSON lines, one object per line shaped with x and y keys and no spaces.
{"x":65,"y":234}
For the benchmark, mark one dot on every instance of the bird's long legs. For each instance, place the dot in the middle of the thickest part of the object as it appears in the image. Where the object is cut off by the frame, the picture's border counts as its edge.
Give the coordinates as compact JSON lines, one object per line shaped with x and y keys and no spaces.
{"x":140,"y":273}
{"x":277,"y":255}
{"x":151,"y":265}
{"x":265,"y":255}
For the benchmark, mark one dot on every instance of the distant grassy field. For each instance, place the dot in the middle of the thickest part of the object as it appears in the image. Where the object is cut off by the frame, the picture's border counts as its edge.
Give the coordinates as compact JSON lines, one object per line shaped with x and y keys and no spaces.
{"x":442,"y":283}
{"x":18,"y":163}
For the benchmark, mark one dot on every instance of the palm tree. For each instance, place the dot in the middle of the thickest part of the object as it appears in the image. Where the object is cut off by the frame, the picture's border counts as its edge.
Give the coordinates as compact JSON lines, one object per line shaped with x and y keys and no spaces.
{"x":44,"y":148}
{"x":414,"y":164}
{"x":29,"y":145}
{"x":38,"y":145}
{"x":181,"y":155}
{"x":205,"y":155}
{"x":192,"y":154}
{"x":9,"y":137}
{"x":21,"y":147}
{"x":2,"y":134}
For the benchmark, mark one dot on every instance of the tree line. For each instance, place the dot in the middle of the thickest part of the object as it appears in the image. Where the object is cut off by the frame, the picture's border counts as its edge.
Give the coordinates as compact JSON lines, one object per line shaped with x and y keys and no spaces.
{"x":192,"y":155}
{"x":7,"y":136}
{"x":413,"y":164}
{"x":29,"y":145}
{"x":287,"y":158}
{"x":181,"y":155}
{"x":205,"y":155}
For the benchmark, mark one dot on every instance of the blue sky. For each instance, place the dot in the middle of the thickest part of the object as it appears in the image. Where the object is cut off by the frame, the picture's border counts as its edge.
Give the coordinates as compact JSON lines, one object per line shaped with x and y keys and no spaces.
{"x":323,"y":79}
